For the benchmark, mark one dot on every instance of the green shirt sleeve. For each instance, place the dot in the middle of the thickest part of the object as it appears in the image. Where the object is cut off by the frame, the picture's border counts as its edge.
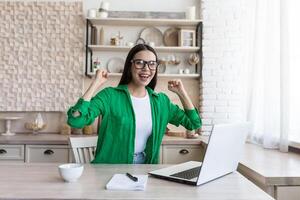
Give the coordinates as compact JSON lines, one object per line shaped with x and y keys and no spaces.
{"x":190,"y":119}
{"x":88,"y":110}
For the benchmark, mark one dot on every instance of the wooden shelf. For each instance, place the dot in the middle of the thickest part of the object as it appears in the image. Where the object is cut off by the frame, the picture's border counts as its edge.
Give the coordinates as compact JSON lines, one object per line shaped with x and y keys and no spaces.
{"x":143,"y":22}
{"x":158,"y":49}
{"x":160,"y":75}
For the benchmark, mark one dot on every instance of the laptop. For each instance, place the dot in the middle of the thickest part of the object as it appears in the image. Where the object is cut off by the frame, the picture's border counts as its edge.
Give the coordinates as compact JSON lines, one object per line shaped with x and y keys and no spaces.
{"x":224,"y":149}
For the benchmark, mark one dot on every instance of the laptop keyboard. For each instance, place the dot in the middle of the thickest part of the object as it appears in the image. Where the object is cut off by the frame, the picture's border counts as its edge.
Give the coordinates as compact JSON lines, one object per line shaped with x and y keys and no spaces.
{"x":188,"y":174}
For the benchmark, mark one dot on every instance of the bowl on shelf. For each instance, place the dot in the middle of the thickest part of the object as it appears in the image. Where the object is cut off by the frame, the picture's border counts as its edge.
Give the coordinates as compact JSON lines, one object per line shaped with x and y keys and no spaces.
{"x":35,"y":127}
{"x":70,"y":172}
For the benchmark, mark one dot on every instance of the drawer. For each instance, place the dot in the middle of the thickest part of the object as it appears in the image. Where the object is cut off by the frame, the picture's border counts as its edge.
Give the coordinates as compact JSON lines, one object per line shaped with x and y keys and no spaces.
{"x":174,"y":154}
{"x":288,"y":192}
{"x":47,"y":153}
{"x":12,"y":153}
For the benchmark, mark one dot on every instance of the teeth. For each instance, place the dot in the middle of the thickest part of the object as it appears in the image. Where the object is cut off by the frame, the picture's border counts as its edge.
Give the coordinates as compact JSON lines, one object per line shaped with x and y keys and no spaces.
{"x":144,"y":76}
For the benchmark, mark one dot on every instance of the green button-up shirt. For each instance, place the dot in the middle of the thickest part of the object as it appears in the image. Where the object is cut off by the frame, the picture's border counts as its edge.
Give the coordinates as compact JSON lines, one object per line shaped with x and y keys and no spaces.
{"x":116,"y":137}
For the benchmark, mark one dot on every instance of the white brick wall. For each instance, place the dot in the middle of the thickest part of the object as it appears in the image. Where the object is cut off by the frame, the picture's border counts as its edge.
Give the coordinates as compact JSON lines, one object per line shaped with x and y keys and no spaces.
{"x":220,"y":91}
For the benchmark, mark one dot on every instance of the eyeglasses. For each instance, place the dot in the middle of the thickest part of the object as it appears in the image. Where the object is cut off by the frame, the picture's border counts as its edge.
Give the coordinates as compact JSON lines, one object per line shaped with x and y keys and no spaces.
{"x":140,"y":64}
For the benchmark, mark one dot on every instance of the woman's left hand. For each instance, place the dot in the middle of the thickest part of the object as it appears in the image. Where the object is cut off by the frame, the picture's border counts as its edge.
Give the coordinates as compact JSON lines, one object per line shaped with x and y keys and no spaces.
{"x":176,"y":86}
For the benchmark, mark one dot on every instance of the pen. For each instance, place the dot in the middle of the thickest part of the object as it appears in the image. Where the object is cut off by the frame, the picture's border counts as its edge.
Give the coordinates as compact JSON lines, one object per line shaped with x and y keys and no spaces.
{"x":133,"y":178}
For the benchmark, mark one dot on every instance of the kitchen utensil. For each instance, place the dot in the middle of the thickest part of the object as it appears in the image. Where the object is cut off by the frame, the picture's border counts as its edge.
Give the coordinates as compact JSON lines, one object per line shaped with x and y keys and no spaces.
{"x":70,"y":172}
{"x":161,"y":68}
{"x":115,"y":65}
{"x":8,"y":124}
{"x":171,"y":37}
{"x":152,"y":34}
{"x":193,"y":59}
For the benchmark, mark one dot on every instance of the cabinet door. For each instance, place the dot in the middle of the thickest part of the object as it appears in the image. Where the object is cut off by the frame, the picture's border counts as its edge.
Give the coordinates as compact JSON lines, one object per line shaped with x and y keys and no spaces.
{"x":288,"y":192}
{"x":174,"y":154}
{"x":160,"y":155}
{"x":47,"y":153}
{"x":12,"y":153}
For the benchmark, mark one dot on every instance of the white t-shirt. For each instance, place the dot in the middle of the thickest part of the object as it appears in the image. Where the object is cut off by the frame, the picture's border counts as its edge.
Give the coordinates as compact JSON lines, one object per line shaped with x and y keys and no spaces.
{"x":143,"y":121}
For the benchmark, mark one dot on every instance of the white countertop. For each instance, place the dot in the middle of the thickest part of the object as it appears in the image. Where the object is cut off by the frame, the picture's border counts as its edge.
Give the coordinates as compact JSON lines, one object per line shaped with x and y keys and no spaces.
{"x":54,"y":138}
{"x":271,"y":167}
{"x":42,"y":181}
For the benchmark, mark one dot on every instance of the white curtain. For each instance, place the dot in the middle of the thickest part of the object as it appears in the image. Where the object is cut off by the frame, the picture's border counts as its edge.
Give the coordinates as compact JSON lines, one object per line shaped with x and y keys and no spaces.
{"x":270,"y":72}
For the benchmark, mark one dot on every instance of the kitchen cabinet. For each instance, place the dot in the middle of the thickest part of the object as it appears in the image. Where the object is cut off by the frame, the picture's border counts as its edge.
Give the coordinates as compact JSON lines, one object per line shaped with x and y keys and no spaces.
{"x":47,"y":153}
{"x":55,"y":148}
{"x":195,"y":25}
{"x":287,"y":192}
{"x":275,"y":172}
{"x":176,"y":150}
{"x":174,"y":154}
{"x":35,"y":153}
{"x":12,"y":153}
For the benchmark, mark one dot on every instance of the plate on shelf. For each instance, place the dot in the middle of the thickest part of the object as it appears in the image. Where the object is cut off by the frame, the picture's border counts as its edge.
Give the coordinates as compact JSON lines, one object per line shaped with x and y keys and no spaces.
{"x":115,"y":65}
{"x":171,"y":37}
{"x":152,"y":34}
{"x":161,"y":68}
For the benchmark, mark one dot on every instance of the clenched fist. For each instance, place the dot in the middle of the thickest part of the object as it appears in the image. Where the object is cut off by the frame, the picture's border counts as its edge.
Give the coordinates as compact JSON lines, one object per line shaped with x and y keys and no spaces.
{"x":101,"y":77}
{"x":176,"y":86}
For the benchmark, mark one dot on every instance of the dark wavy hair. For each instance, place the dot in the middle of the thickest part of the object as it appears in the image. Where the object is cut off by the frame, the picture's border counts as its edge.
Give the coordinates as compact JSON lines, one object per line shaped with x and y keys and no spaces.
{"x":127,"y":76}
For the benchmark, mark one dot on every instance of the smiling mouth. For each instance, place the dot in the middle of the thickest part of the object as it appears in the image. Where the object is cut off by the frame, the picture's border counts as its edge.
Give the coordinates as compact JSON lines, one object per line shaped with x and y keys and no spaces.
{"x":144,"y":76}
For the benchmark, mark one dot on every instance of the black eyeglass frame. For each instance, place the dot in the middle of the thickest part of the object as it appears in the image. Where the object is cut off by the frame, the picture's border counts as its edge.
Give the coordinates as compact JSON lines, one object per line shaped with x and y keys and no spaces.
{"x":145,"y":63}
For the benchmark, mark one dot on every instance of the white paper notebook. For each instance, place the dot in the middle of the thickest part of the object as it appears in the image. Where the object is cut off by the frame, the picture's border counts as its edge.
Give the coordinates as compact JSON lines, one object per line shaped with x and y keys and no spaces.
{"x":122,"y":182}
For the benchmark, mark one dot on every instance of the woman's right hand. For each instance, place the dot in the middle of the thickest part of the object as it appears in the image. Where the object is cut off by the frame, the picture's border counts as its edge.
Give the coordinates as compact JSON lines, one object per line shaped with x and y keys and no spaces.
{"x":101,"y":77}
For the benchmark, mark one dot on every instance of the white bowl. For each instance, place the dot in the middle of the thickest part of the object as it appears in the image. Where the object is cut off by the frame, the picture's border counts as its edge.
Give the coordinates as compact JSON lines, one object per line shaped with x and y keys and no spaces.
{"x":70,"y":172}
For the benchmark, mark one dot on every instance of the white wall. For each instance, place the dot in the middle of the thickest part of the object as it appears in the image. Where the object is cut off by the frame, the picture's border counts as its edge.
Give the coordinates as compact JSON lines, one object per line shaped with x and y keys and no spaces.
{"x":221,"y":96}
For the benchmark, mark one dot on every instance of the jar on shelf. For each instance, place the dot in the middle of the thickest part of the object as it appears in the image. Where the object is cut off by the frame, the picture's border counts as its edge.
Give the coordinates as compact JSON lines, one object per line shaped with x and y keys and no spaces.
{"x":88,"y":130}
{"x":65,"y":129}
{"x":96,"y":64}
{"x":37,"y":124}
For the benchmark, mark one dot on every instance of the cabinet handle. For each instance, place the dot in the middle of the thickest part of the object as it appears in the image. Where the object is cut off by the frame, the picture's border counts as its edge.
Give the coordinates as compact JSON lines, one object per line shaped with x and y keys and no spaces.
{"x":48,"y":152}
{"x":3,"y":151}
{"x":184,"y":151}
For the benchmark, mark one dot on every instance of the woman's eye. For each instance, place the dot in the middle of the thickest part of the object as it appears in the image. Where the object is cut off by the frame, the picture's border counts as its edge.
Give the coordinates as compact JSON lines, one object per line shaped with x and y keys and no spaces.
{"x":139,"y":62}
{"x":151,"y":63}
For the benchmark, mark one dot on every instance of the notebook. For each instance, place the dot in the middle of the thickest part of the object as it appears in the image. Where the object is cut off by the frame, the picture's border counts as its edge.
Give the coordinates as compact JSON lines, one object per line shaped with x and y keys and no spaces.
{"x":122,"y":182}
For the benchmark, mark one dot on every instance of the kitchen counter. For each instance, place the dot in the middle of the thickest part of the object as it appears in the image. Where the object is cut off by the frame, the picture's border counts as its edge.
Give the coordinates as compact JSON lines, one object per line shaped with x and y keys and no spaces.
{"x":275,"y":172}
{"x":272,"y":166}
{"x":54,"y":138}
{"x":42,"y":181}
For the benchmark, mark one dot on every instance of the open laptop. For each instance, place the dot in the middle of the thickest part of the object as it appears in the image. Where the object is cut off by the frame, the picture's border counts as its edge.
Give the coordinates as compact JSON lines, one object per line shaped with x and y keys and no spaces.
{"x":224,"y":149}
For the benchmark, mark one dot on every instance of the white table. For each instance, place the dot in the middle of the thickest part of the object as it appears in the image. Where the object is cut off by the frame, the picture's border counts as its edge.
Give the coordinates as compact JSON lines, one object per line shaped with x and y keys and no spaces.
{"x":42,"y":181}
{"x":276,"y":172}
{"x":8,"y":124}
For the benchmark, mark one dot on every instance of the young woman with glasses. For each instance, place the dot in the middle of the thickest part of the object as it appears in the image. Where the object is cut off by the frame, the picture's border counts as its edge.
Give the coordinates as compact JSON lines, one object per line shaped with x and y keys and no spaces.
{"x":134,"y":116}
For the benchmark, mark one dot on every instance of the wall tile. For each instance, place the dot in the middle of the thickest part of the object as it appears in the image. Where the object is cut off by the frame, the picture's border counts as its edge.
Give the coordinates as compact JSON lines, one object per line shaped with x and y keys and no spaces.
{"x":42,"y":55}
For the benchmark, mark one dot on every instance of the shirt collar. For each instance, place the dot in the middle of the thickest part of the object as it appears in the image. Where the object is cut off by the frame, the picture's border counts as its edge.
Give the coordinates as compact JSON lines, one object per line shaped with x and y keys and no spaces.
{"x":125,"y":88}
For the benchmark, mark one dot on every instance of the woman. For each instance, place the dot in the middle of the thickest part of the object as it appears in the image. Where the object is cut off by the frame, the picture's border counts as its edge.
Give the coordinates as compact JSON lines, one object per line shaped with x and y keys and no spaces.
{"x":134,"y":117}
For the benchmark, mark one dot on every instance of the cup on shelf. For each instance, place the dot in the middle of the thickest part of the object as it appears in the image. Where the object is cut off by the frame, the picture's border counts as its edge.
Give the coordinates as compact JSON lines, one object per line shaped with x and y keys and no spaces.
{"x":186,"y":71}
{"x":92,"y":13}
{"x":129,"y":44}
{"x":151,"y":44}
{"x":181,"y":71}
{"x":190,"y":12}
{"x":105,"y":5}
{"x":103,"y":14}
